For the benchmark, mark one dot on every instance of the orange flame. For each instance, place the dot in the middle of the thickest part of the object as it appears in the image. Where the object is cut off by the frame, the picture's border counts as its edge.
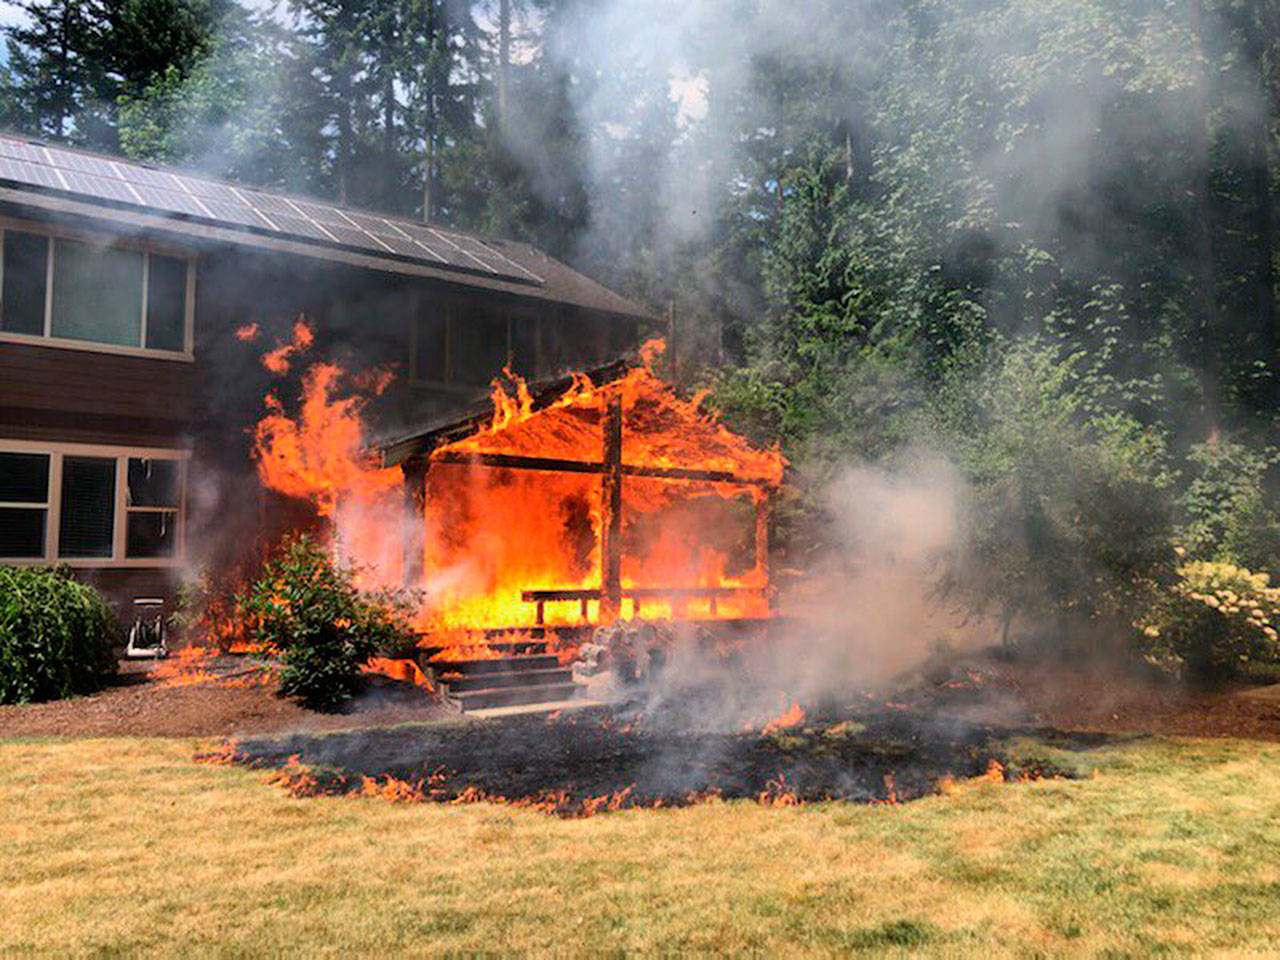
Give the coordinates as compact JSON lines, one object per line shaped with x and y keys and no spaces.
{"x":491,"y":534}
{"x":247,"y":332}
{"x":406,"y":670}
{"x":792,"y":716}
{"x":279,"y":359}
{"x":319,"y":455}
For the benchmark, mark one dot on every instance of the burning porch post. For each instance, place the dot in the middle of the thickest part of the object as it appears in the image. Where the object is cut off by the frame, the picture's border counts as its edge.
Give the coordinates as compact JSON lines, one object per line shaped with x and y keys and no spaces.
{"x":414,"y":489}
{"x":611,"y":514}
{"x":764,"y":508}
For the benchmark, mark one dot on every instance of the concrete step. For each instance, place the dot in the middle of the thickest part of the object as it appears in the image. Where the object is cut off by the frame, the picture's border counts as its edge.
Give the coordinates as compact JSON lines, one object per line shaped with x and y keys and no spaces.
{"x":519,"y":678}
{"x":469,"y":700}
{"x":539,"y":661}
{"x":546,"y":706}
{"x":504,"y":647}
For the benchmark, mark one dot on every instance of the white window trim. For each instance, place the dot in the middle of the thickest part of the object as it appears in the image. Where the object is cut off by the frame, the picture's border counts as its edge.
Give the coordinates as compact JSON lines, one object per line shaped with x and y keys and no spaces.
{"x":47,"y":339}
{"x":53,"y":507}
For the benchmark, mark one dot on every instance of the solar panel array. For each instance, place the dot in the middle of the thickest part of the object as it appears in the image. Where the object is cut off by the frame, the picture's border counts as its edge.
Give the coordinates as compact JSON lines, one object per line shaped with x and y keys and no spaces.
{"x":118,"y":181}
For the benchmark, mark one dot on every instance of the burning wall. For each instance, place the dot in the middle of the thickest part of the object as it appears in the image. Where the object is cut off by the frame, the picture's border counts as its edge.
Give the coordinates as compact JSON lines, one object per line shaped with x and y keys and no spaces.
{"x":612,"y":499}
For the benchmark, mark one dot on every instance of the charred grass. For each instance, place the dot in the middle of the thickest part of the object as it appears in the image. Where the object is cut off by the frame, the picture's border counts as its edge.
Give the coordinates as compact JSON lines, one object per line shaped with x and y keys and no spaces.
{"x":127,"y":847}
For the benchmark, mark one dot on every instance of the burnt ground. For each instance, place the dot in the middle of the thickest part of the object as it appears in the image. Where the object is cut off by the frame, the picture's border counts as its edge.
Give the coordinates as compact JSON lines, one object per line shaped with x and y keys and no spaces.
{"x":568,"y":764}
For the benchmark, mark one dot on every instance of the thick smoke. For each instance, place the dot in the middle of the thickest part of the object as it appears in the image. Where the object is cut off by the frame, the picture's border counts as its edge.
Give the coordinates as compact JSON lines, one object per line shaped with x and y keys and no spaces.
{"x":861,"y":620}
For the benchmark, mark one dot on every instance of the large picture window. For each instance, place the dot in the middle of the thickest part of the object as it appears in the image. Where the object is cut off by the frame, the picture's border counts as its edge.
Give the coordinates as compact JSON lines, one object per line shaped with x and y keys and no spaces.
{"x":90,"y":506}
{"x":94,"y":294}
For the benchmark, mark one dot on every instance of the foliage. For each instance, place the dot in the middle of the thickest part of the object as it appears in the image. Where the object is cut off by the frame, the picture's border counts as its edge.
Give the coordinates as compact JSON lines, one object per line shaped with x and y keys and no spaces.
{"x":306,"y":608}
{"x":70,"y":60}
{"x":209,"y":611}
{"x":1071,"y":516}
{"x":1216,"y":621}
{"x":55,"y":636}
{"x":1229,"y":515}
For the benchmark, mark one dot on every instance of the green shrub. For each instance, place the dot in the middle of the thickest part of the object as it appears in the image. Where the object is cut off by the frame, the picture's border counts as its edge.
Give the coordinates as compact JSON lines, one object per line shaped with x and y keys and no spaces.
{"x":1218,"y":620}
{"x":55,"y":636}
{"x":307,"y":609}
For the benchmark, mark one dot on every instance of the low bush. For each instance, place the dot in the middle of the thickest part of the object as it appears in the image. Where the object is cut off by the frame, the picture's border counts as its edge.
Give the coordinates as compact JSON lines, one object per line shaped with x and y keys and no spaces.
{"x":1218,"y":620}
{"x":307,"y":609}
{"x":55,"y":636}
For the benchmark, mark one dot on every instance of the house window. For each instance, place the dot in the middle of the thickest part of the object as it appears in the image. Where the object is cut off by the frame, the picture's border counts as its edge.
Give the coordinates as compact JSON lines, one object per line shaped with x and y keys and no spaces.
{"x":90,"y":506}
{"x":467,"y":346}
{"x":479,"y":346}
{"x":26,"y":267}
{"x":151,"y":505}
{"x":430,"y":348}
{"x":24,"y":504}
{"x":94,"y":294}
{"x":97,"y":294}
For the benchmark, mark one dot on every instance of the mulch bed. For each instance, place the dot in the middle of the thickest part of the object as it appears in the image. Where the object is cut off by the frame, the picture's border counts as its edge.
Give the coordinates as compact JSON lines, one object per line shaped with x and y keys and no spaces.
{"x":139,"y":704}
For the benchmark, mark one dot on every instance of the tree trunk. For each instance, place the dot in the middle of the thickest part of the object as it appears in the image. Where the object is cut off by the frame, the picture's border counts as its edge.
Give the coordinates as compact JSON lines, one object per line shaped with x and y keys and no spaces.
{"x":389,"y":98}
{"x":1205,"y":293}
{"x":1260,"y":177}
{"x":504,"y":57}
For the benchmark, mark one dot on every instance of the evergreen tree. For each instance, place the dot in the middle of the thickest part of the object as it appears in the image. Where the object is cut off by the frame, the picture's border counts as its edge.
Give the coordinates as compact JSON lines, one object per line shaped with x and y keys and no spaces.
{"x":55,"y":76}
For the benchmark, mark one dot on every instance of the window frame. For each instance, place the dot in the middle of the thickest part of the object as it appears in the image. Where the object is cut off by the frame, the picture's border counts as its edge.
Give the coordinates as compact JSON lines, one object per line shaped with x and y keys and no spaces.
{"x":47,"y":506}
{"x":121,"y":455}
{"x":99,"y":238}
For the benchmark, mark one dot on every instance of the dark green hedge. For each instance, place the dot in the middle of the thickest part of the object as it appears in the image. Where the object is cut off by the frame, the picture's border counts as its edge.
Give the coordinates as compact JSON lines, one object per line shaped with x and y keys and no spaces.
{"x":55,"y":636}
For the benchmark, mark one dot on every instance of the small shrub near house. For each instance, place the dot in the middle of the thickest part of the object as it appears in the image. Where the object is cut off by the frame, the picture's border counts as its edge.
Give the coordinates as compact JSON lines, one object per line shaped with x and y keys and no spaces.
{"x":306,"y":608}
{"x":55,"y":636}
{"x":1218,"y":620}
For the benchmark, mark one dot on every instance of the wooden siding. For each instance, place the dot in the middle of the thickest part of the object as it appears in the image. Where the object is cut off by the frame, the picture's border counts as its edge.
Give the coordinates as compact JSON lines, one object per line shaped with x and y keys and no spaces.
{"x":93,"y":394}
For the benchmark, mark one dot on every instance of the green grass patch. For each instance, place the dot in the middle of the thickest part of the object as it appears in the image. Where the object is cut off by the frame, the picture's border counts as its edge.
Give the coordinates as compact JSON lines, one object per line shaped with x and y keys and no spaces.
{"x":127,"y":847}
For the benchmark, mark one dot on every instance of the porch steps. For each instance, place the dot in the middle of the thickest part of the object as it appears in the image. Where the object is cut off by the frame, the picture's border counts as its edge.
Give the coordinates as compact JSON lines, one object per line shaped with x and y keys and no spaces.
{"x":530,"y":677}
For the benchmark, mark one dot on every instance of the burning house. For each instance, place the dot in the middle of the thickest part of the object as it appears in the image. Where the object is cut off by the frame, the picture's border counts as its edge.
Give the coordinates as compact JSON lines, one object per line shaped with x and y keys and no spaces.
{"x":527,"y":523}
{"x":127,"y":397}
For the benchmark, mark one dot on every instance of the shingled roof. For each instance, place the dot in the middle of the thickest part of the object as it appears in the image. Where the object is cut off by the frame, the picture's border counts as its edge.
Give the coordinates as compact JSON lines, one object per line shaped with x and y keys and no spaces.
{"x":141,"y":196}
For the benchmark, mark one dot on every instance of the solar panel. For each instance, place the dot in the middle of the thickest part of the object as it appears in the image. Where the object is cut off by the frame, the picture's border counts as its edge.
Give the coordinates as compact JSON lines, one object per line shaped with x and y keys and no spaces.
{"x":322,"y":214}
{"x":121,"y":182}
{"x":269,"y":204}
{"x":401,"y":245}
{"x":83,"y":163}
{"x":103,"y":187}
{"x":22,"y":172}
{"x":18,"y":150}
{"x":169,"y":200}
{"x":299,"y":226}
{"x":351,"y":237}
{"x":209,"y":189}
{"x":233,"y":212}
{"x":146,"y":176}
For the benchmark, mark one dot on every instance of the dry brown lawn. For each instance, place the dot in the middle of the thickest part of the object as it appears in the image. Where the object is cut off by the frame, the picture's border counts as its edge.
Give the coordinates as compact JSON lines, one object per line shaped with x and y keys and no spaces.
{"x":117,"y":846}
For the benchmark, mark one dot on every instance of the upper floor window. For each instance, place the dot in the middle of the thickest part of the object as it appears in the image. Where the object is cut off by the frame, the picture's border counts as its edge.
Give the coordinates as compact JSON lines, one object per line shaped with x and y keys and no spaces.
{"x":95,"y":295}
{"x":468,"y":345}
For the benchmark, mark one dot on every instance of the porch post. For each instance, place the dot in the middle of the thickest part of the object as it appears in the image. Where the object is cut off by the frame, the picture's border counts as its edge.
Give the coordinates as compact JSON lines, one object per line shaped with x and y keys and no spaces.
{"x":764,"y":508}
{"x":611,"y":514}
{"x":414,"y":489}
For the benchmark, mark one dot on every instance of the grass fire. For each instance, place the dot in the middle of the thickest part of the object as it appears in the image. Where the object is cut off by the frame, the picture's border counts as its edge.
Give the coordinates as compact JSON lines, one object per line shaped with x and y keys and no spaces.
{"x":569,"y":478}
